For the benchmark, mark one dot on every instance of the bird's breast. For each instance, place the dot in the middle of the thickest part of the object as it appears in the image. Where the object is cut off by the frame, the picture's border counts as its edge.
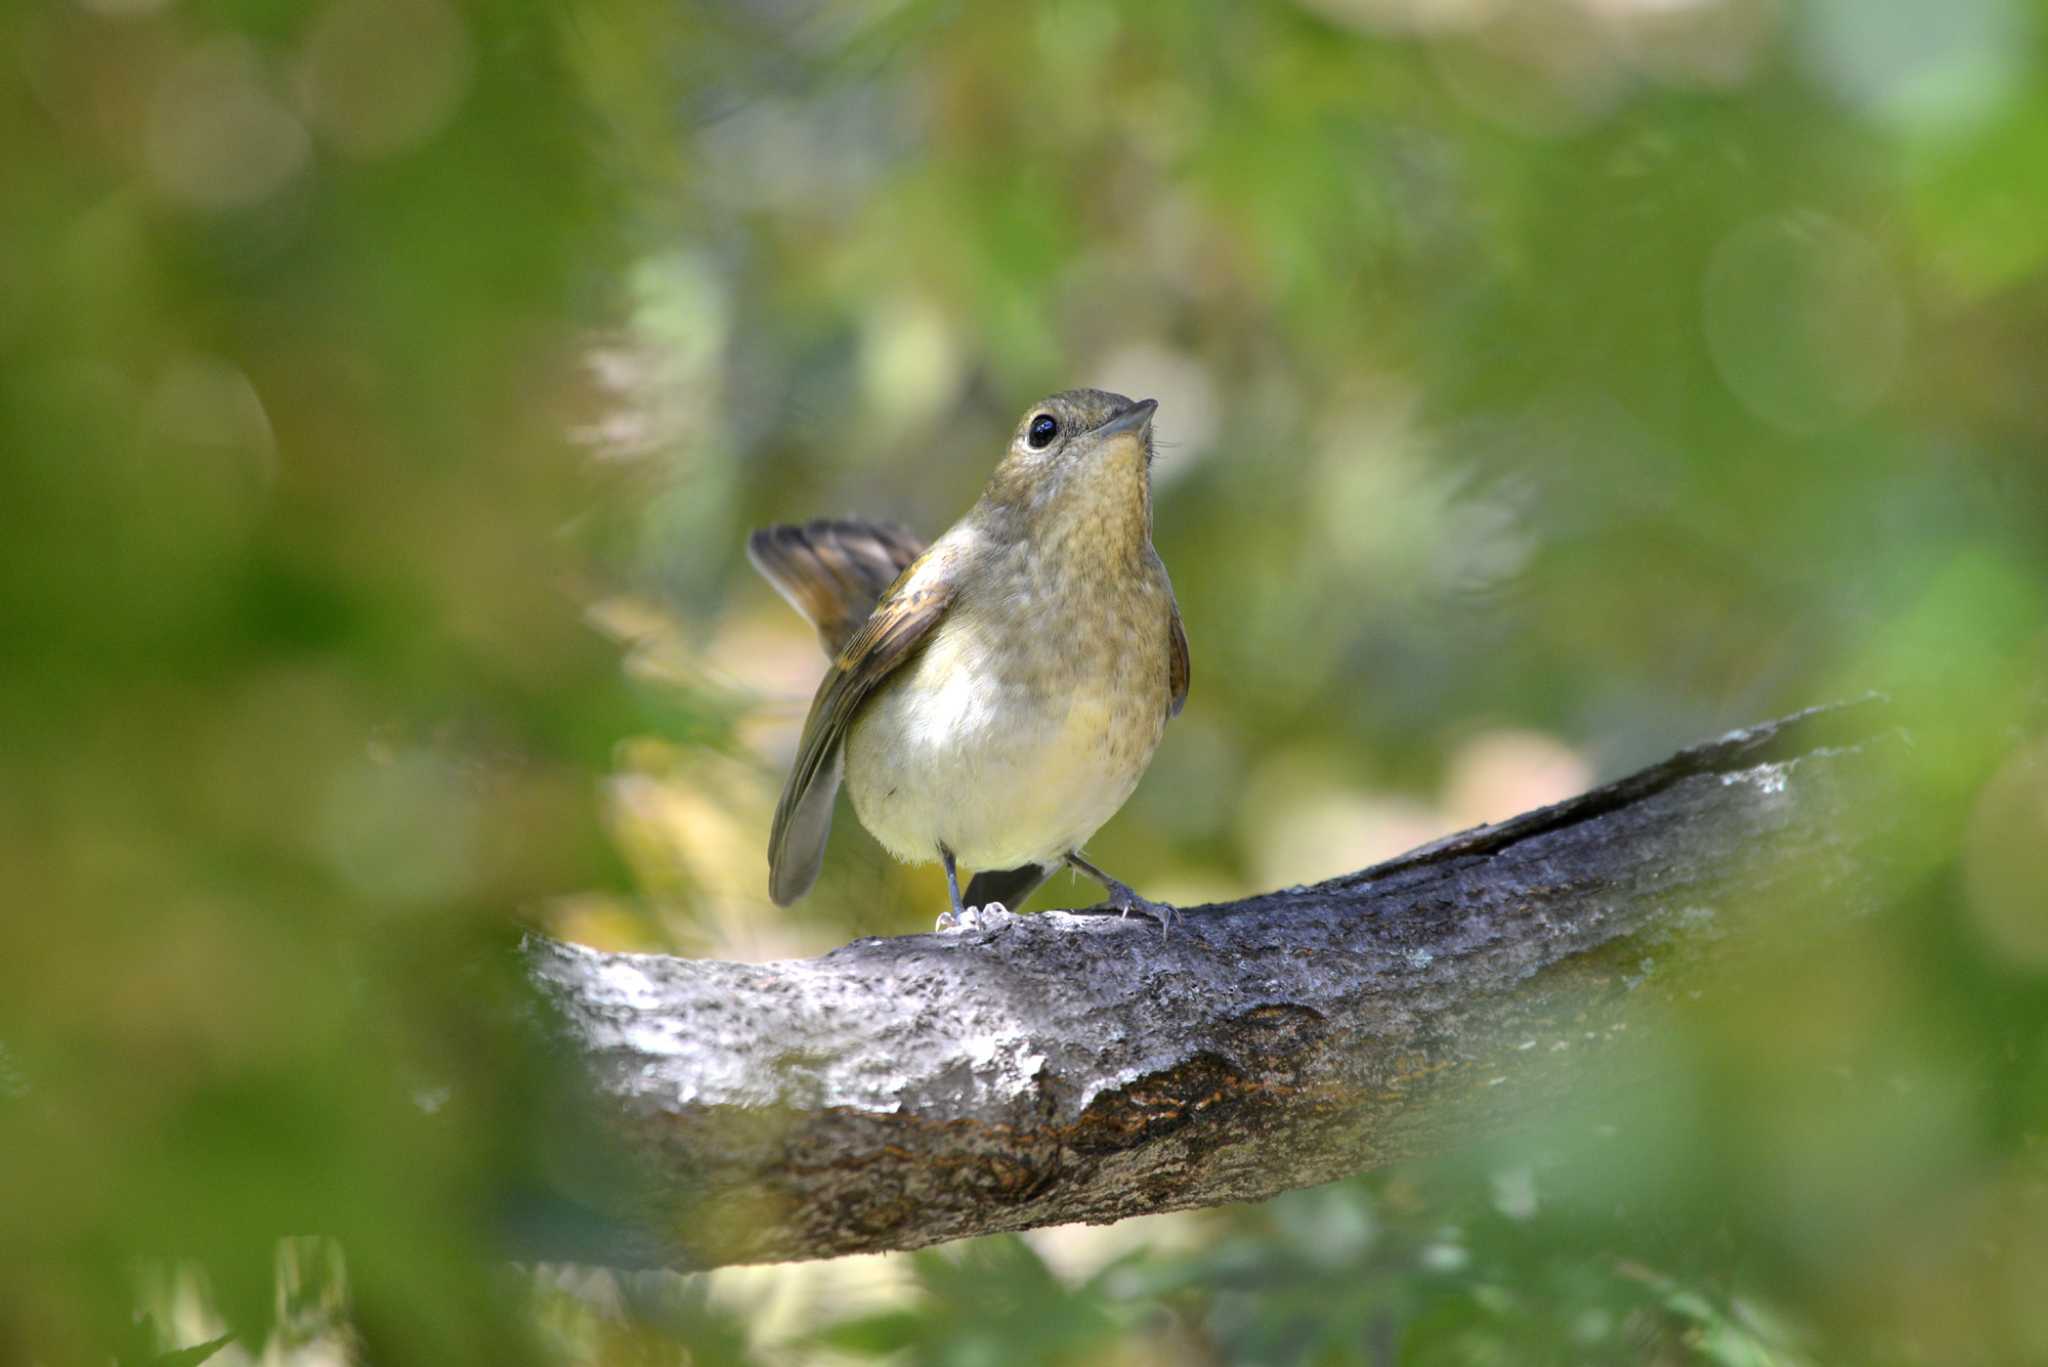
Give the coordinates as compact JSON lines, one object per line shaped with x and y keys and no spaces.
{"x":1021,"y":726}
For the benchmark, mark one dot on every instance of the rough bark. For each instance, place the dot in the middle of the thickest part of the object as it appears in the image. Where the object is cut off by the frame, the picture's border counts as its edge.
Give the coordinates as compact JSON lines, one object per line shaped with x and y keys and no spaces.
{"x":1069,"y":1067}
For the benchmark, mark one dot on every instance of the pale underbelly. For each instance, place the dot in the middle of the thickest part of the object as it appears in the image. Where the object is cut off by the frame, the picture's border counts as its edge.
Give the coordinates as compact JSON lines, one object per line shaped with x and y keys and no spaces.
{"x":1000,"y":772}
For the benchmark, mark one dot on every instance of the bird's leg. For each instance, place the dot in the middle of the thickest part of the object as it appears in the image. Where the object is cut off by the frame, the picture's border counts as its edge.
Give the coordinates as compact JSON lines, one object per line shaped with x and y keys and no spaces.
{"x":952,"y":878}
{"x":960,"y":917}
{"x":956,"y":918}
{"x":1121,"y":898}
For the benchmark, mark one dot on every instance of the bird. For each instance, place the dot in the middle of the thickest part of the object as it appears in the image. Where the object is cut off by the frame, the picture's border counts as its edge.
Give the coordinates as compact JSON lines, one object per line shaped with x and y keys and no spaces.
{"x":993,"y":697}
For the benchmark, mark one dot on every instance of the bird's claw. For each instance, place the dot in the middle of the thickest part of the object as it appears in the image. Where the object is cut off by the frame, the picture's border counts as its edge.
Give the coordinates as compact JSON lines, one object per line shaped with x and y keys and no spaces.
{"x":1123,"y":901}
{"x":969,"y":918}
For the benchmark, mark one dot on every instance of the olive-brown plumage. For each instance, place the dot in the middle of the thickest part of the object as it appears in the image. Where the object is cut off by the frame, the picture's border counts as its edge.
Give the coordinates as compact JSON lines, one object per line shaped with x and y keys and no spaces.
{"x":1005,"y":691}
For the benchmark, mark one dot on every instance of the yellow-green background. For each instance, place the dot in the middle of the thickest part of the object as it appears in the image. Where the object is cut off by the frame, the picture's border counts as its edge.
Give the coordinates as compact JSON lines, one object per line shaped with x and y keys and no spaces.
{"x":386,"y":387}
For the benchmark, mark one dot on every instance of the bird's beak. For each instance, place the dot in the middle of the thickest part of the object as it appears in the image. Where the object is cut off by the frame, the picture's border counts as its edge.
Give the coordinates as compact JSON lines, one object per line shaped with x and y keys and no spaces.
{"x":1136,"y":418}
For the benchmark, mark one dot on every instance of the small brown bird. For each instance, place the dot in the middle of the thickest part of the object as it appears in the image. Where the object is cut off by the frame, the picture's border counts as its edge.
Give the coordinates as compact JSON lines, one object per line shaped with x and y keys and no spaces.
{"x":994,"y":698}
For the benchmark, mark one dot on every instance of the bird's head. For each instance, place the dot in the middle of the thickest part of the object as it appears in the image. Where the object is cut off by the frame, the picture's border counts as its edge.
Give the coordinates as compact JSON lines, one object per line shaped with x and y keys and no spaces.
{"x":1079,"y":453}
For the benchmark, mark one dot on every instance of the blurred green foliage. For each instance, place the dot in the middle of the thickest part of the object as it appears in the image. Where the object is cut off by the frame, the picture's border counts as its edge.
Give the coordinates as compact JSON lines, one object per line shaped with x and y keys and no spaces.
{"x":385,"y":390}
{"x":300,"y":714}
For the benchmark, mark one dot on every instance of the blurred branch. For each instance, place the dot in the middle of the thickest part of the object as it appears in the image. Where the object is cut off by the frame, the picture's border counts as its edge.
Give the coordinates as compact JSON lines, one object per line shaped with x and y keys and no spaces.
{"x":1069,"y":1067}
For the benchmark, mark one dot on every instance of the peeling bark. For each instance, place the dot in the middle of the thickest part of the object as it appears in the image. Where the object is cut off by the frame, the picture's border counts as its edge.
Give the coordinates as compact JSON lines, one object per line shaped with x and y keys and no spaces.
{"x":1072,"y":1067}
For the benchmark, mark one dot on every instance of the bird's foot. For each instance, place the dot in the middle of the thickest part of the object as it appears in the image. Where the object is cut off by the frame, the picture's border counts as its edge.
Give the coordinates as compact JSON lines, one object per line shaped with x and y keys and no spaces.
{"x":970,"y":918}
{"x":1124,"y":901}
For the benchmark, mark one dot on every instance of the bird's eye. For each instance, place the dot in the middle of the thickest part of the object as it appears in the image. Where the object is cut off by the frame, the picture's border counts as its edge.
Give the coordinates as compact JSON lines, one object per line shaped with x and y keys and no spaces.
{"x":1044,"y":428}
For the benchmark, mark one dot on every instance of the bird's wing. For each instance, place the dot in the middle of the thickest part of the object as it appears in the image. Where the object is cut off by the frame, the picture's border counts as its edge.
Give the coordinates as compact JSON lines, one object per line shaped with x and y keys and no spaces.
{"x":833,"y":570}
{"x":900,"y":623}
{"x":1177,"y":670}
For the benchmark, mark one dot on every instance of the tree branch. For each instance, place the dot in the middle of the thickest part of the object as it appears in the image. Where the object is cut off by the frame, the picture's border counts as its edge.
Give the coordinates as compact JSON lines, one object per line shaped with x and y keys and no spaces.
{"x":1061,"y":1067}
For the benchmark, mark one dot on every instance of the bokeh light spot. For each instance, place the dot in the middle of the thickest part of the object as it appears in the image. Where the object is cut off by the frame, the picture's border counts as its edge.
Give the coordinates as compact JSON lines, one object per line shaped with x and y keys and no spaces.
{"x":1804,"y":320}
{"x":909,"y":364}
{"x":204,"y":401}
{"x":217,"y":138}
{"x":382,"y":76}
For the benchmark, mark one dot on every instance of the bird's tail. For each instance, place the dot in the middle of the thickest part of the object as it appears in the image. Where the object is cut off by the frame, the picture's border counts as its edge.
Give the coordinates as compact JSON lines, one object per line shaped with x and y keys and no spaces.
{"x":833,"y":570}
